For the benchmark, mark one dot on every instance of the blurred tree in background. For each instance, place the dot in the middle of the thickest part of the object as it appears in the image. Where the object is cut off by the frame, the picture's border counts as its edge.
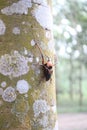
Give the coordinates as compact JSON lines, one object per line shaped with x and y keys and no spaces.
{"x":70,"y":30}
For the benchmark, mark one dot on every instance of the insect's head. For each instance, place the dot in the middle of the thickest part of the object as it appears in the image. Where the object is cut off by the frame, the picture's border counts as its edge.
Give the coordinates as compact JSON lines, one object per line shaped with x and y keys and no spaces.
{"x":49,"y":62}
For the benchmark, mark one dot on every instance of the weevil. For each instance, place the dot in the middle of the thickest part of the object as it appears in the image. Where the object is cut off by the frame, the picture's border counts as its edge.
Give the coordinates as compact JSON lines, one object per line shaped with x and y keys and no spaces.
{"x":47,"y":67}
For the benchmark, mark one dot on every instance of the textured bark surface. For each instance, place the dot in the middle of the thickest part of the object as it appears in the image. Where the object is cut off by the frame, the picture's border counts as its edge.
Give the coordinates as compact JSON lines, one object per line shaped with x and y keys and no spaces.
{"x":27,"y":101}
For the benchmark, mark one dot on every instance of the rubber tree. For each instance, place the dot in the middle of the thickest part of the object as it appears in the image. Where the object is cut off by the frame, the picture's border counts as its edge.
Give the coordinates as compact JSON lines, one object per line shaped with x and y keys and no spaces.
{"x":27,"y":100}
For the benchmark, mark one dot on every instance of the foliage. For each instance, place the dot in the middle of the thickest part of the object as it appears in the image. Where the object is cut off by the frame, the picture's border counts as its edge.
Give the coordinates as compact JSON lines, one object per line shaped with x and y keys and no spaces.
{"x":70,"y":30}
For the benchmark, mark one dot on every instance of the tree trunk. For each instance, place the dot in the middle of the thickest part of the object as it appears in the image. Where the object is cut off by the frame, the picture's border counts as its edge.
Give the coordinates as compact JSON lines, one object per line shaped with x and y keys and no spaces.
{"x":80,"y":85}
{"x":27,"y":100}
{"x":71,"y":78}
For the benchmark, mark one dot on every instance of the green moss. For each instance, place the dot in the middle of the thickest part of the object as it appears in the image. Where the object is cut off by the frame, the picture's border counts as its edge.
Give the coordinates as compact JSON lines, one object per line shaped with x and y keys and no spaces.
{"x":6,"y":118}
{"x":5,"y":3}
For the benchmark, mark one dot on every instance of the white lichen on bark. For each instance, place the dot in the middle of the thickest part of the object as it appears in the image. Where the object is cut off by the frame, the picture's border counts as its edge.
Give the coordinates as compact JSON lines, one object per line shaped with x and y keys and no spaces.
{"x":44,"y":121}
{"x":22,"y":86}
{"x":32,"y":42}
{"x":20,"y":109}
{"x":3,"y":84}
{"x":9,"y":94}
{"x":56,"y":126}
{"x":16,"y":30}
{"x":42,"y":2}
{"x":40,"y":106}
{"x":13,"y":64}
{"x":43,"y":16}
{"x":51,"y":45}
{"x":21,"y":7}
{"x":2,"y":27}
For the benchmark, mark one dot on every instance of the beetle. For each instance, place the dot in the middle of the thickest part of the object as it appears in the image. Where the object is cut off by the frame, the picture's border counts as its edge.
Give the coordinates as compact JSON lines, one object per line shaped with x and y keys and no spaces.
{"x":47,"y":67}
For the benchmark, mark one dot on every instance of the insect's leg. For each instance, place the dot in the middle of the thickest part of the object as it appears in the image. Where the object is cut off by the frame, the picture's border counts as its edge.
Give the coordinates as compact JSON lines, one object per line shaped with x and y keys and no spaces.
{"x":42,"y":60}
{"x":40,"y":52}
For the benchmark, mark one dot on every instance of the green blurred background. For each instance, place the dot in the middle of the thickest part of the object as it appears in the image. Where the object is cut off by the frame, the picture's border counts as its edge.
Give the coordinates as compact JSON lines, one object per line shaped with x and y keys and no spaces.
{"x":70,"y":35}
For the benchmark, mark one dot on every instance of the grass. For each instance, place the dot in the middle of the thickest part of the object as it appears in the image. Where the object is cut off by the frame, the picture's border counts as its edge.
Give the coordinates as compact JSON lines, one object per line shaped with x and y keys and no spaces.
{"x":66,"y":105}
{"x":74,"y":109}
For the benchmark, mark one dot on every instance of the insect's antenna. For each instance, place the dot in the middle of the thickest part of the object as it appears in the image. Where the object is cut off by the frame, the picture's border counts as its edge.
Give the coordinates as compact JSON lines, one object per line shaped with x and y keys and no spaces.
{"x":40,"y":52}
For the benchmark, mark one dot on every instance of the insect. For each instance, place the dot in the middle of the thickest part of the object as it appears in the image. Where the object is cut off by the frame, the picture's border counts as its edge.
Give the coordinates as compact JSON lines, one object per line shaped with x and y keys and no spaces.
{"x":47,"y":67}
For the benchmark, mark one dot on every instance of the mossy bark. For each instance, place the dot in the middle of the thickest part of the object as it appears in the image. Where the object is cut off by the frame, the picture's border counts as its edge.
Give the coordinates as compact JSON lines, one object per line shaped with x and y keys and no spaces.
{"x":27,"y":101}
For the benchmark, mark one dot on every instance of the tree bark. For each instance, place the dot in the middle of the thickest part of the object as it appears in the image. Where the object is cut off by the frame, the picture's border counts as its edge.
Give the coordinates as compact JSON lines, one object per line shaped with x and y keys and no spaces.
{"x":27,"y":100}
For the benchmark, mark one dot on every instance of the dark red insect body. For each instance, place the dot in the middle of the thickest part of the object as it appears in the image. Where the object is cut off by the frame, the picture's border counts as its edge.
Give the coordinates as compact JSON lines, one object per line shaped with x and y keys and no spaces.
{"x":47,"y":67}
{"x":47,"y":71}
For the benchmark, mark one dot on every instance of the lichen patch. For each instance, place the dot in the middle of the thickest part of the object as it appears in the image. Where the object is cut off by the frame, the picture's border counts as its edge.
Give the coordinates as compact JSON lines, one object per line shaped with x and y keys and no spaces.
{"x":3,"y":84}
{"x":44,"y":121}
{"x":22,"y":86}
{"x":20,"y":109}
{"x":2,"y":27}
{"x":43,"y":16}
{"x":9,"y":94}
{"x":13,"y":65}
{"x":56,"y":126}
{"x":16,"y":30}
{"x":32,"y":42}
{"x":40,"y":106}
{"x":21,"y":7}
{"x":51,"y":45}
{"x":54,"y":109}
{"x":41,"y":2}
{"x":48,"y":34}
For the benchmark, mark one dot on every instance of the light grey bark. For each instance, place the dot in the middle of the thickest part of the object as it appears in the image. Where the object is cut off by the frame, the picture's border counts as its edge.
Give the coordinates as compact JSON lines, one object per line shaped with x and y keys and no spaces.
{"x":27,"y":101}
